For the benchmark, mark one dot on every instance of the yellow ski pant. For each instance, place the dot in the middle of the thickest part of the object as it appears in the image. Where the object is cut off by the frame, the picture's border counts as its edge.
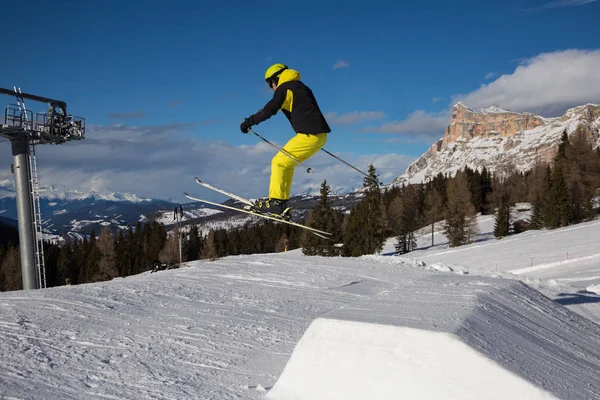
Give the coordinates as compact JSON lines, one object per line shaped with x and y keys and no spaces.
{"x":301,"y":147}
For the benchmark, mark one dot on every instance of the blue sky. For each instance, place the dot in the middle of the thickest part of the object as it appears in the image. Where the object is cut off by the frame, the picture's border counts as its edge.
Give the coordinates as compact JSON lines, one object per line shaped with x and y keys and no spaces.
{"x":168,"y":83}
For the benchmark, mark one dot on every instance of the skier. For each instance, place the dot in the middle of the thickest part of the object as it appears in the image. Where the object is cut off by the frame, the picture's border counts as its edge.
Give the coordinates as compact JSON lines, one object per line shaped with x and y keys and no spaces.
{"x":299,"y":105}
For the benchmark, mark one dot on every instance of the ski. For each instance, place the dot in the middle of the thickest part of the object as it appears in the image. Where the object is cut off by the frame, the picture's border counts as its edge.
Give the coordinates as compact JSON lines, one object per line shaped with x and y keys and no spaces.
{"x":317,"y":232}
{"x":233,"y":196}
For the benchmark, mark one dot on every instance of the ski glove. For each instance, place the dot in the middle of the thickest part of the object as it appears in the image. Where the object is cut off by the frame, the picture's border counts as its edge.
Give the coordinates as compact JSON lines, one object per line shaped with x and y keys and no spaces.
{"x":245,"y":126}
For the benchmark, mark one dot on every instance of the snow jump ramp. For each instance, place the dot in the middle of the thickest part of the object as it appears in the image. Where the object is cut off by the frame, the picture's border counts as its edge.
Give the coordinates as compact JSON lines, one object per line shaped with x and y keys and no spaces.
{"x":446,"y":337}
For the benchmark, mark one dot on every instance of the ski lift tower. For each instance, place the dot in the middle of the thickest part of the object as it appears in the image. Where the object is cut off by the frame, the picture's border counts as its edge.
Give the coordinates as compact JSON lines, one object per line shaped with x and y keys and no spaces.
{"x":24,"y":133}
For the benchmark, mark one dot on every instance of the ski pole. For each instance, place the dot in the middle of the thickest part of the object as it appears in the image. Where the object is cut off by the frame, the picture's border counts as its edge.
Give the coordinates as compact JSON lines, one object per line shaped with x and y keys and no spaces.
{"x":291,"y":157}
{"x":351,"y":166}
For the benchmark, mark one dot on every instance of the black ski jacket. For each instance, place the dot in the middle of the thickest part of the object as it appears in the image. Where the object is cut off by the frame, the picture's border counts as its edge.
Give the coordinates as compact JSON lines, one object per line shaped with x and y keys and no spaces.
{"x":297,"y":102}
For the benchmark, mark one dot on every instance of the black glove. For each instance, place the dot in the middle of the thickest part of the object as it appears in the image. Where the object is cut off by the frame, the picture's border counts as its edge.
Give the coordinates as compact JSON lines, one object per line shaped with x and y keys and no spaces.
{"x":245,"y":126}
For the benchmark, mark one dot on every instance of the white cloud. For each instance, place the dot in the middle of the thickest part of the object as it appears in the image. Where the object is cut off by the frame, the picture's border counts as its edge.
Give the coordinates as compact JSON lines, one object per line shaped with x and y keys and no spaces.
{"x":561,"y":4}
{"x":161,"y":162}
{"x":341,"y":64}
{"x":547,"y":84}
{"x":353,"y":117}
{"x":420,"y":126}
{"x":490,"y":75}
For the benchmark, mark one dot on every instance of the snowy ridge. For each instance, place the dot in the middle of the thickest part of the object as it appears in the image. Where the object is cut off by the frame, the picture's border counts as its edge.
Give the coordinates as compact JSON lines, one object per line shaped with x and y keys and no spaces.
{"x":55,"y":192}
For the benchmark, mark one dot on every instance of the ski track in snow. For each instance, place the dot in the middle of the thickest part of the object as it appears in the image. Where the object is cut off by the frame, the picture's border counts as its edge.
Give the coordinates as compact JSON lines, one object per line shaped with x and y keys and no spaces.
{"x":213,"y":331}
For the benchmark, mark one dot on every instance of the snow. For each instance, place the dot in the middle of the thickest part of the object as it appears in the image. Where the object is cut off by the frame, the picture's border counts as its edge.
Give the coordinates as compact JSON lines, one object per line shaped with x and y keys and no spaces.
{"x":79,"y":225}
{"x":355,"y":360}
{"x":167,"y":217}
{"x":470,"y":322}
{"x":56,"y":192}
{"x":494,"y":110}
{"x":7,"y":189}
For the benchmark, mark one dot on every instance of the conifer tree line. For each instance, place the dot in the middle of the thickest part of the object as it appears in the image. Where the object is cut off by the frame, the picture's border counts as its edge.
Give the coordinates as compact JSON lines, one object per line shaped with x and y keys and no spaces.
{"x":561,"y":193}
{"x":130,"y":252}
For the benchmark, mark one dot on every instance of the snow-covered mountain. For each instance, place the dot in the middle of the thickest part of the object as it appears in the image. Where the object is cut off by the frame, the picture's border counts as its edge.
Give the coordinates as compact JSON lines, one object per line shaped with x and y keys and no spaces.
{"x":74,"y":213}
{"x":56,"y":192}
{"x":496,"y":138}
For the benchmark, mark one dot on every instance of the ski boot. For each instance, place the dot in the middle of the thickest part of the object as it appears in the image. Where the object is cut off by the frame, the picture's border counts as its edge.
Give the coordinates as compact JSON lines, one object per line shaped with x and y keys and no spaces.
{"x":274,"y":207}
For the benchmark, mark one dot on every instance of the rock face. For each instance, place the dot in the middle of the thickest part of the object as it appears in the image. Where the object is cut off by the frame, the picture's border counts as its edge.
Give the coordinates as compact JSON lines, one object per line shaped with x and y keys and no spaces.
{"x":496,"y":138}
{"x":490,"y":122}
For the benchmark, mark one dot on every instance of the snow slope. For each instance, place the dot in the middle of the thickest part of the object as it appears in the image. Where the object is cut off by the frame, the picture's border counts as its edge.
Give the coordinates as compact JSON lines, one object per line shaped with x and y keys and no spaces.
{"x":570,"y":255}
{"x":227,"y":329}
{"x":441,"y":338}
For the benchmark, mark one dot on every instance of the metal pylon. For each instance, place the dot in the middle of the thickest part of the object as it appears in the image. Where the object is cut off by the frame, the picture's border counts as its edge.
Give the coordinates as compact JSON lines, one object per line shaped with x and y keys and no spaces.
{"x":25,"y":132}
{"x":35,"y":195}
{"x":37,"y":217}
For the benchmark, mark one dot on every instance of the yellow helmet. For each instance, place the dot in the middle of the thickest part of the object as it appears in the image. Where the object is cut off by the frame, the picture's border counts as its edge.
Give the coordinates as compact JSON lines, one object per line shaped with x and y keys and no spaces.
{"x":273,"y":72}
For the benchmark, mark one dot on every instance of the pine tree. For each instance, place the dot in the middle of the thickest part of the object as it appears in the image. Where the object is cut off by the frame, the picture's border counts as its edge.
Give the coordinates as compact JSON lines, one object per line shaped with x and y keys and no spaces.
{"x":90,"y":272}
{"x":50,"y":261}
{"x":501,"y":199}
{"x":63,"y":270}
{"x":406,"y":209}
{"x":122,"y":254}
{"x":583,"y":176}
{"x":537,"y":183}
{"x":323,"y":217}
{"x":485,"y":187}
{"x":170,"y":252}
{"x":308,"y":241}
{"x":558,"y":209}
{"x":10,"y":270}
{"x":473,"y":180}
{"x":154,"y":236}
{"x":294,"y":238}
{"x":563,"y":145}
{"x":394,"y":215}
{"x":209,"y":250}
{"x":131,"y":246}
{"x":108,"y":258}
{"x":502,"y":220}
{"x":194,"y":244}
{"x":365,"y":232}
{"x":138,"y":251}
{"x":460,"y":225}
{"x":440,"y":184}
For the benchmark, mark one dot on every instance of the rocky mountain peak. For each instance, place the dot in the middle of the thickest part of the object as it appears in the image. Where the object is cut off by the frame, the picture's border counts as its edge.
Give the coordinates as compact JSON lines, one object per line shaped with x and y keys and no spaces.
{"x":494,"y":137}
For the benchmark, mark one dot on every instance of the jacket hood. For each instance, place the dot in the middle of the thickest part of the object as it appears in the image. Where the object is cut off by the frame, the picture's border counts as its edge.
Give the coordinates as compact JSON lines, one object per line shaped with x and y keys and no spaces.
{"x":289,"y":75}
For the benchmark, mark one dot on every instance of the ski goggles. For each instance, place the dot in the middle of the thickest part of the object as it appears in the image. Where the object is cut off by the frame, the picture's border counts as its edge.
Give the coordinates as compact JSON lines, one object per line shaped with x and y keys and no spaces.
{"x":274,"y":79}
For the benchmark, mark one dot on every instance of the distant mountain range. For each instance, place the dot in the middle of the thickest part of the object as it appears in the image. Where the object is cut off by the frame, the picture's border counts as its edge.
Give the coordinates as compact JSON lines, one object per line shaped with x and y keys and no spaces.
{"x":76,"y":213}
{"x":69,"y":213}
